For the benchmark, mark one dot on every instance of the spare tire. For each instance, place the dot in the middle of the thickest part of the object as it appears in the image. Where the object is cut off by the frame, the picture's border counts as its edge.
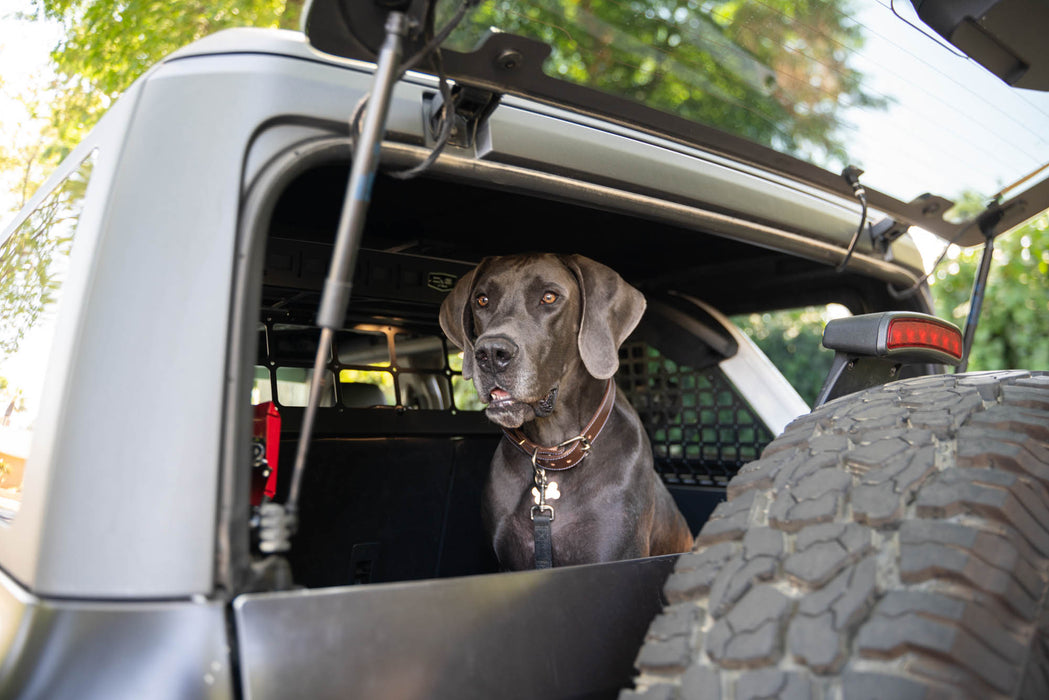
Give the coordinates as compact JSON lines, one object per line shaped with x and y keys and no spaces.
{"x":892,"y":543}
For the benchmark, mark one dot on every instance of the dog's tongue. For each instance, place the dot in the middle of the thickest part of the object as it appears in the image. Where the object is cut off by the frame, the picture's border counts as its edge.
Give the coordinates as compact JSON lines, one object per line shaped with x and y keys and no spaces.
{"x":499,"y":395}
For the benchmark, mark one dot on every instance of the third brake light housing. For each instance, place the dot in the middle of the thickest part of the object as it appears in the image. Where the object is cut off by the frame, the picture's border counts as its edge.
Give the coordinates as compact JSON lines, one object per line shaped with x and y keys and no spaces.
{"x":871,"y":348}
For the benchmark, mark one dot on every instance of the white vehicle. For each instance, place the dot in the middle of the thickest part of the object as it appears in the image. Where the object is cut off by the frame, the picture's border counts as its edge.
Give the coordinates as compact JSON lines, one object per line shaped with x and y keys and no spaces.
{"x":158,"y":335}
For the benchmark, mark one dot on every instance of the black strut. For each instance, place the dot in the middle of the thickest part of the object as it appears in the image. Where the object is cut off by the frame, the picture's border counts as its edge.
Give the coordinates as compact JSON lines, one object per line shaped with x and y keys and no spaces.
{"x":976,"y":298}
{"x":282,"y":522}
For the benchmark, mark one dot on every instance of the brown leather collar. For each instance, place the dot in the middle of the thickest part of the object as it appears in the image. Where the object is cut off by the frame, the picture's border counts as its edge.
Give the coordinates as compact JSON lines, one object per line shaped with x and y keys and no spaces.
{"x":572,"y":451}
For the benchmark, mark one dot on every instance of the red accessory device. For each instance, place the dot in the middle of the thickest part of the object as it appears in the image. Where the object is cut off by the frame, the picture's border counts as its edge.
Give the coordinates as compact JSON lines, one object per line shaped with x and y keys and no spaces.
{"x":265,"y":452}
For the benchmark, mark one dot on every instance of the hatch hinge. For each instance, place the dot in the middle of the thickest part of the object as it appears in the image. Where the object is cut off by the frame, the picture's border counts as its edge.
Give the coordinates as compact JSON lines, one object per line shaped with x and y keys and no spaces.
{"x":472,"y":107}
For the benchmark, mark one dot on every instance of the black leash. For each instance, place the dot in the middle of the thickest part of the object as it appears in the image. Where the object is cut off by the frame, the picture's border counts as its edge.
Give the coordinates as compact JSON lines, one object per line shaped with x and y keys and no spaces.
{"x":544,"y":554}
{"x":542,"y":517}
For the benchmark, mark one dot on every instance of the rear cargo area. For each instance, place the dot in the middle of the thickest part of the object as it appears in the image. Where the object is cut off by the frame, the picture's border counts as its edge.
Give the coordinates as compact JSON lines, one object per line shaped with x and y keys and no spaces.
{"x":392,"y":489}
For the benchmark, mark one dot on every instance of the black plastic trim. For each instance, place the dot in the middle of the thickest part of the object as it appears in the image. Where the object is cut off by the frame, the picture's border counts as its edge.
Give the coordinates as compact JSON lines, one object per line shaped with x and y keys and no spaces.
{"x":567,"y":632}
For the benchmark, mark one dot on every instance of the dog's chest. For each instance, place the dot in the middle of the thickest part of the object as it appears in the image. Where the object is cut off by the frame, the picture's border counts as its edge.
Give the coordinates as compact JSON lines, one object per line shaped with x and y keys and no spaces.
{"x":581,"y":529}
{"x":571,"y":534}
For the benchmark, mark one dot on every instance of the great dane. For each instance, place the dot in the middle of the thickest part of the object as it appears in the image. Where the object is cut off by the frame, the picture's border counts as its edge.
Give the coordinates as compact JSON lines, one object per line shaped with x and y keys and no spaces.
{"x":540,"y":336}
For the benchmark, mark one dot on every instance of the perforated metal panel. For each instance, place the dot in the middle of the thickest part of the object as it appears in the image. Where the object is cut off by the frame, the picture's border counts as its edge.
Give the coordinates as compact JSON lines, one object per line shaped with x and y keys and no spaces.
{"x":702,"y":430}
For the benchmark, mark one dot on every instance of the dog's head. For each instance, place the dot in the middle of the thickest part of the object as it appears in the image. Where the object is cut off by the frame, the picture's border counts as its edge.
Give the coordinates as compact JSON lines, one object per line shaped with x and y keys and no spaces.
{"x":525,"y":323}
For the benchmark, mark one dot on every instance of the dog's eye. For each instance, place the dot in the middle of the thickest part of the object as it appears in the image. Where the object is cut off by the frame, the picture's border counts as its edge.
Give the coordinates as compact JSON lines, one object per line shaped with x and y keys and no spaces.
{"x":548,"y":298}
{"x":482,"y":300}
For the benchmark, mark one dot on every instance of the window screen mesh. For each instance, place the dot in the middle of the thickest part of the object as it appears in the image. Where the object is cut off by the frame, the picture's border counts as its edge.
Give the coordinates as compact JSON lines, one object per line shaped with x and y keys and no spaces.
{"x":372,"y":365}
{"x":702,"y":430}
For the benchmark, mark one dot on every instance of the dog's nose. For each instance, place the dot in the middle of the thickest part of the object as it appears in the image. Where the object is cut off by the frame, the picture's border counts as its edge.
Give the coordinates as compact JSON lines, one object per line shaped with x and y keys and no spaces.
{"x":495,"y":354}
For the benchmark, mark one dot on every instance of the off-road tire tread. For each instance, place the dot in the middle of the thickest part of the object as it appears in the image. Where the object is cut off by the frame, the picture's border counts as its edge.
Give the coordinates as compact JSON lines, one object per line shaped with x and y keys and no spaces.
{"x":892,"y":543}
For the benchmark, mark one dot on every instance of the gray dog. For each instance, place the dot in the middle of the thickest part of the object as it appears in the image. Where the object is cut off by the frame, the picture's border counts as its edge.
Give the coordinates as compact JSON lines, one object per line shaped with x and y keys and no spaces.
{"x":540,"y":336}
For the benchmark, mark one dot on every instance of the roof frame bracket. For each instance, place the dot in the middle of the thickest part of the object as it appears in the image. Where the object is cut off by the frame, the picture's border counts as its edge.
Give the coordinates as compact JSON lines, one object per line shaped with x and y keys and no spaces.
{"x":472,"y":106}
{"x":885,"y":232}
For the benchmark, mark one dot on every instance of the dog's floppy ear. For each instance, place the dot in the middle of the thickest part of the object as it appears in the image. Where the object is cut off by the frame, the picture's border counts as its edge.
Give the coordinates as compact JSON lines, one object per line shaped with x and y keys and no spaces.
{"x":457,"y":319}
{"x":611,"y":310}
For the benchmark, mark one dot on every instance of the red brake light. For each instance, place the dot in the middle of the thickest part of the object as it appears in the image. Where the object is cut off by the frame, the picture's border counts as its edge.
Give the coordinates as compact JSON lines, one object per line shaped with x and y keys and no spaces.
{"x":920,"y":333}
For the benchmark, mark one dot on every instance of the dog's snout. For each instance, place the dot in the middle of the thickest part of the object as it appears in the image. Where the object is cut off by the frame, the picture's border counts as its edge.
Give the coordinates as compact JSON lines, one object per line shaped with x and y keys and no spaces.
{"x":495,"y":354}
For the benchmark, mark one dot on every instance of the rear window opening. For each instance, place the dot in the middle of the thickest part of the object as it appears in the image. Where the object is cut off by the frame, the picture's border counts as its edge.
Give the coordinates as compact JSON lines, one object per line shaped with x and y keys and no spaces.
{"x":392,"y":489}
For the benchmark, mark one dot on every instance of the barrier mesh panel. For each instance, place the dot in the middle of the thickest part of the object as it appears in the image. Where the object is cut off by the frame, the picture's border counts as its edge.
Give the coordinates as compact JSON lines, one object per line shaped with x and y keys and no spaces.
{"x":702,"y":430}
{"x":369,"y":365}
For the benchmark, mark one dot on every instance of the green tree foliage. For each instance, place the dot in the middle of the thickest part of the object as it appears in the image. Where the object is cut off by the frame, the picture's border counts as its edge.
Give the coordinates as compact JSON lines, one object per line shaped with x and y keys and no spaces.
{"x":33,"y":260}
{"x":27,"y":143}
{"x":775,"y":72}
{"x":107,"y":44}
{"x":1014,"y":322}
{"x":793,"y":341}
